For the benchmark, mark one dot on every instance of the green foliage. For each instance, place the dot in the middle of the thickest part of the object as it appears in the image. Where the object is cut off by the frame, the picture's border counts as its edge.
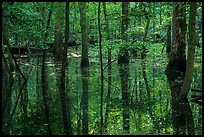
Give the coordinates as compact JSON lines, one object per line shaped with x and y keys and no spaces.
{"x":27,"y":21}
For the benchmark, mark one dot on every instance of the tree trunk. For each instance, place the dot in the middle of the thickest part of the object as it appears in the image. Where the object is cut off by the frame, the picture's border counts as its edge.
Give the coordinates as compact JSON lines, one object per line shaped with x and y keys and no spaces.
{"x":160,"y":15}
{"x":83,"y":23}
{"x":144,"y":55}
{"x":12,"y":66}
{"x":109,"y":69}
{"x":57,"y":47}
{"x":64,"y":99}
{"x":7,"y":84}
{"x":154,"y":25}
{"x":44,"y":77}
{"x":123,"y":55}
{"x":147,"y":26}
{"x":101,"y":64}
{"x":179,"y":30}
{"x":175,"y":71}
{"x":84,"y":66}
{"x":168,"y":40}
{"x":191,"y":51}
{"x":123,"y":61}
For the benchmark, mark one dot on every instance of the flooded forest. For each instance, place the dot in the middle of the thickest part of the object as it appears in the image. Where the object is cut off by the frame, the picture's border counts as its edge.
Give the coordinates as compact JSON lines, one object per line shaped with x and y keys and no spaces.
{"x":101,"y":68}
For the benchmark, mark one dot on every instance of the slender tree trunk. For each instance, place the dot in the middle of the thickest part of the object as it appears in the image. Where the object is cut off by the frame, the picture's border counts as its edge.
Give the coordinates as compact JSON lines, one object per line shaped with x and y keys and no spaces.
{"x":57,"y":45}
{"x":191,"y":51}
{"x":145,"y":78}
{"x":141,"y":92}
{"x":75,"y":19}
{"x":154,"y":25}
{"x":44,"y":78}
{"x":147,"y":25}
{"x":101,"y":64}
{"x":168,"y":40}
{"x":64,"y":99}
{"x":37,"y":88}
{"x":143,"y":56}
{"x":109,"y":69}
{"x":160,"y":15}
{"x":136,"y":91}
{"x":13,"y":65}
{"x":84,"y":66}
{"x":7,"y":84}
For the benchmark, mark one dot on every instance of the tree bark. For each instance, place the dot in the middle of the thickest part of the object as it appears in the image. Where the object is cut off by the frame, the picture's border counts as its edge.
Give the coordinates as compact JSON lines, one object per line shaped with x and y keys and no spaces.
{"x":7,"y":84}
{"x":191,"y":51}
{"x":179,"y":30}
{"x":101,"y":64}
{"x":64,"y":99}
{"x":123,"y":61}
{"x":123,"y":55}
{"x":168,"y":40}
{"x":83,"y":23}
{"x":181,"y":113}
{"x":57,"y":46}
{"x":44,"y":77}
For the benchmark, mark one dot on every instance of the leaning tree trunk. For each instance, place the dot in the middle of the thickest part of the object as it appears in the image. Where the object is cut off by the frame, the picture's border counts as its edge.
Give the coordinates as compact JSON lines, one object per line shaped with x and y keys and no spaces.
{"x":175,"y":72}
{"x":191,"y":51}
{"x":7,"y":84}
{"x":10,"y":67}
{"x":144,"y":55}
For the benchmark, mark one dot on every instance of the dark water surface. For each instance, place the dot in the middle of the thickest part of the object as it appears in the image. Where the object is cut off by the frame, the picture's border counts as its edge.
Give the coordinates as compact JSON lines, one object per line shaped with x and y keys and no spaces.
{"x":145,"y":116}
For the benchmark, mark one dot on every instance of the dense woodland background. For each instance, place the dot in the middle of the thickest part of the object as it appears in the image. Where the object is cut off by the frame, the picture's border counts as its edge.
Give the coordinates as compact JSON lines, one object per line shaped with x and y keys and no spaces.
{"x":101,"y":68}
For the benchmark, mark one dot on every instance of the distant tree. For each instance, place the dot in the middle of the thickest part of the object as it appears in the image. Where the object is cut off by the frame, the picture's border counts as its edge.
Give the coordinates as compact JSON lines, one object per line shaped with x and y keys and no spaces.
{"x":109,"y":68}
